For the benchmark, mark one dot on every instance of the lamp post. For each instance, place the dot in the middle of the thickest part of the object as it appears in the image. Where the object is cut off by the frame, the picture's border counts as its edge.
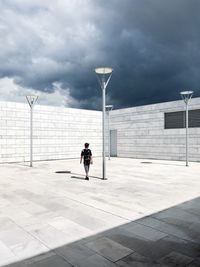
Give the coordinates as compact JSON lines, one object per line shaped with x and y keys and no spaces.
{"x":31,"y":99}
{"x":108,"y":109}
{"x":103,"y":75}
{"x":186,"y":96}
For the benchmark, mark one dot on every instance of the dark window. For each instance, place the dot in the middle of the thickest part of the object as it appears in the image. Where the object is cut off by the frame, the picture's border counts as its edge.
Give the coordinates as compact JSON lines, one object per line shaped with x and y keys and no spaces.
{"x":177,"y":119}
{"x":194,"y":118}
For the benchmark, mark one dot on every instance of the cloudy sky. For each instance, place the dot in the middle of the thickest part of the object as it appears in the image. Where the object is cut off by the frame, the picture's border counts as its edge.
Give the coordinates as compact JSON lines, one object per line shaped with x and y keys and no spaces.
{"x":51,"y":48}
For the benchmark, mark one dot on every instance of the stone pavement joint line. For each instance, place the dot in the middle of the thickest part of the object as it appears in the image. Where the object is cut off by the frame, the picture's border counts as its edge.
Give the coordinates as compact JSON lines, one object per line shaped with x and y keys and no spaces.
{"x":143,"y":215}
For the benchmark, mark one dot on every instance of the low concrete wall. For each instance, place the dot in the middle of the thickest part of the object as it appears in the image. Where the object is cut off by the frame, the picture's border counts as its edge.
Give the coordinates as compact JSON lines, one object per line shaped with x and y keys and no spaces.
{"x":58,"y":133}
{"x":141,"y":133}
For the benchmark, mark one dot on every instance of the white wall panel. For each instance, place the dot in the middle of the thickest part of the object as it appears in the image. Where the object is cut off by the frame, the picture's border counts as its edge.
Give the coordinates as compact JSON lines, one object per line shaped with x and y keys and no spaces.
{"x":58,"y":133}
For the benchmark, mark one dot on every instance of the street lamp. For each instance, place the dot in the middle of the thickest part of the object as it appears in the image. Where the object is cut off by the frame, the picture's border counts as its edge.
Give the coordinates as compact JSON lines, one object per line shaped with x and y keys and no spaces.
{"x":103,"y":75}
{"x":186,"y":96}
{"x":108,"y":109}
{"x":31,"y":99}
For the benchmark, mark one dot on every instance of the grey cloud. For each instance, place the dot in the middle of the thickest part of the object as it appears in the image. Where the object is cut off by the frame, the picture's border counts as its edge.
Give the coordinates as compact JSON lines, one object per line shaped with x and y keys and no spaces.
{"x":153,"y":46}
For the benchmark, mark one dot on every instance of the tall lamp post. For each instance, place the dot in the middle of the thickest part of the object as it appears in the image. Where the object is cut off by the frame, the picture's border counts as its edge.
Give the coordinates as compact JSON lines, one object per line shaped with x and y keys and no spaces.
{"x":108,"y":109}
{"x":186,"y":96}
{"x":103,"y":75}
{"x":31,"y":99}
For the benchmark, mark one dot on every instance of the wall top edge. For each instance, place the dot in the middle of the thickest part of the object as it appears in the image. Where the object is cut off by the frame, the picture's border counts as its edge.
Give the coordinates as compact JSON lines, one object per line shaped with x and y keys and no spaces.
{"x":159,"y":106}
{"x":24,"y":105}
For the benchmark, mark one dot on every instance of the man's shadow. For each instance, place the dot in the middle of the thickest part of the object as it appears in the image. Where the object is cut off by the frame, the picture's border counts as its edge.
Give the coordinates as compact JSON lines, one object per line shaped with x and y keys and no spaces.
{"x":63,"y":172}
{"x":77,"y":176}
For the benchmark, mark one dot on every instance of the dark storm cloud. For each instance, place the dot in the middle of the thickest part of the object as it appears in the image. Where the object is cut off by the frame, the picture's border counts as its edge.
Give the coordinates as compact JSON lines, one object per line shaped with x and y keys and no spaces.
{"x":156,"y":51}
{"x":153,"y":46}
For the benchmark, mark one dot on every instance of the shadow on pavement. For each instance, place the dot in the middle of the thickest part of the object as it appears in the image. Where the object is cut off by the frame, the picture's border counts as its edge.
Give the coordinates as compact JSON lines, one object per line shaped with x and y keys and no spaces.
{"x":81,"y":177}
{"x":62,"y":171}
{"x":78,"y":177}
{"x":168,"y":238}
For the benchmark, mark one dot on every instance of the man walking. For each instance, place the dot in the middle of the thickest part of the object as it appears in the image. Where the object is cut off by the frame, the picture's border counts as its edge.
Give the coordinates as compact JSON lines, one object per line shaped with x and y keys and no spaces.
{"x":86,"y":155}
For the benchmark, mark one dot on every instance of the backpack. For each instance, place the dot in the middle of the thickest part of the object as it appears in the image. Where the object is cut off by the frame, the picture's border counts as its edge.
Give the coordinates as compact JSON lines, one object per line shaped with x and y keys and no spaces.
{"x":86,"y":155}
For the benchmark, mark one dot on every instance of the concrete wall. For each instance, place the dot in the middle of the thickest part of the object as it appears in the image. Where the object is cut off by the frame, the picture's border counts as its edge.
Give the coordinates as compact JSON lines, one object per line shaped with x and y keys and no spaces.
{"x":59,"y":133}
{"x":141,"y":132}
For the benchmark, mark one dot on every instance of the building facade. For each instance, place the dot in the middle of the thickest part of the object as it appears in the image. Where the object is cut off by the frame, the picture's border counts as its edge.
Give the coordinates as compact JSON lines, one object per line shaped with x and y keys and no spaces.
{"x":156,"y":131}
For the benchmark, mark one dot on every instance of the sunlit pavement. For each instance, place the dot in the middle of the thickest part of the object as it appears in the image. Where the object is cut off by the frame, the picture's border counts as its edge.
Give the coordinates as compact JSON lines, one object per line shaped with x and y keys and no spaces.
{"x":147,"y":213}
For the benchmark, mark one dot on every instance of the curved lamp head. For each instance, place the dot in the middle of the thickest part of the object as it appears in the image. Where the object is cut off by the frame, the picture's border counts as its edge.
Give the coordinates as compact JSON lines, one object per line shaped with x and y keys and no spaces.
{"x":103,"y":75}
{"x":109,"y":107}
{"x":103,"y":70}
{"x":31,"y":99}
{"x":186,"y":95}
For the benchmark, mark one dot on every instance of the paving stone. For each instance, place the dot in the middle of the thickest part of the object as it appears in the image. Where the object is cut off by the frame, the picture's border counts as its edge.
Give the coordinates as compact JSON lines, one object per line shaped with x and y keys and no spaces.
{"x":91,"y":238}
{"x":15,"y":237}
{"x":74,"y":231}
{"x":177,"y":216}
{"x":97,"y":261}
{"x":172,"y":243}
{"x":139,"y":244}
{"x":29,"y":249}
{"x":5,"y":252}
{"x":49,"y":236}
{"x":109,"y":249}
{"x":10,"y":261}
{"x":139,"y":264}
{"x":7,"y":224}
{"x":191,"y":232}
{"x":33,"y":208}
{"x":75,"y":253}
{"x":17,"y":264}
{"x":135,"y":259}
{"x":39,"y":257}
{"x":192,"y":206}
{"x":144,"y":231}
{"x":53,"y":261}
{"x":176,"y":259}
{"x":89,"y":221}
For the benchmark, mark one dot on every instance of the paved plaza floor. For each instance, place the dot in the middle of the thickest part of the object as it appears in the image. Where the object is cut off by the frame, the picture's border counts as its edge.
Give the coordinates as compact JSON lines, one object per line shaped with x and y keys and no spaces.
{"x":147,"y":213}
